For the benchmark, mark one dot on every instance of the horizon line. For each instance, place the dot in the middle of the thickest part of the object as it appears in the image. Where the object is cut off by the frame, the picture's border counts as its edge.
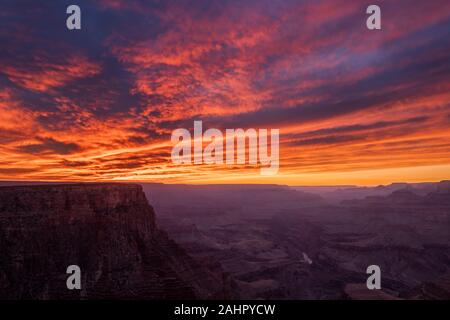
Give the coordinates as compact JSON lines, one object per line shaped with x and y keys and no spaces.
{"x":220,"y":184}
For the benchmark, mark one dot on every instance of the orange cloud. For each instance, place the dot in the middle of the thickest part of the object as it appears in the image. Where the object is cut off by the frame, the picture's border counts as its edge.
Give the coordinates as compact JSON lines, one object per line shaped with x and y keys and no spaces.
{"x":45,"y":74}
{"x":353,"y":106}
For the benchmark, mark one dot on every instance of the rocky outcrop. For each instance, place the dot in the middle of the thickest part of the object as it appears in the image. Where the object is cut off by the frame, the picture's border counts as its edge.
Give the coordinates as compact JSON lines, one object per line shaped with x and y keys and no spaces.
{"x":108,"y":230}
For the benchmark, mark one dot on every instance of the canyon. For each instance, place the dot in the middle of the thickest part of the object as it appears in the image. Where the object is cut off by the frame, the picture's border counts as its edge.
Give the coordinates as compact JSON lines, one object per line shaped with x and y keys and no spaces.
{"x":280,"y":242}
{"x":224,"y":241}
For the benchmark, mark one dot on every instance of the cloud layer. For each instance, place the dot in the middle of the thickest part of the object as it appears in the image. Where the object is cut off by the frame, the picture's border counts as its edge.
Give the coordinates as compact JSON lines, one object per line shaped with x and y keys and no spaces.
{"x":352,"y":105}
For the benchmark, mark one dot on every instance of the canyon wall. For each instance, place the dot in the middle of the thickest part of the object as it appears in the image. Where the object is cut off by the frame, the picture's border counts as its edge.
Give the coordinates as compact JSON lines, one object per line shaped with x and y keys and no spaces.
{"x":108,"y":230}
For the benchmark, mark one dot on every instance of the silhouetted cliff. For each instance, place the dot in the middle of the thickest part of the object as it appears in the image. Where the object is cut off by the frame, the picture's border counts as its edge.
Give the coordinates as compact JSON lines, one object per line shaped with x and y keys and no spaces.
{"x":108,"y":230}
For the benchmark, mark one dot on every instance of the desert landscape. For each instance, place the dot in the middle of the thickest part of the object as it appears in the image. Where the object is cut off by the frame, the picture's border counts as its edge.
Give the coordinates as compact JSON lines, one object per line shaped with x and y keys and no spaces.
{"x":158,"y":241}
{"x":282,"y":242}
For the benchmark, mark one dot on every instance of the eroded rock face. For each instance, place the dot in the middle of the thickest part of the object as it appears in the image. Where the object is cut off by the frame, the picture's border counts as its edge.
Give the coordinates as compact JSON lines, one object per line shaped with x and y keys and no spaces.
{"x":108,"y":230}
{"x":261,"y":235}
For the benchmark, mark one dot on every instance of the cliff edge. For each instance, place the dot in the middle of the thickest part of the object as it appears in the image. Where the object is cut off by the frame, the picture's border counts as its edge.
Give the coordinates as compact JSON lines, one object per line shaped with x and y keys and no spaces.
{"x":108,"y":230}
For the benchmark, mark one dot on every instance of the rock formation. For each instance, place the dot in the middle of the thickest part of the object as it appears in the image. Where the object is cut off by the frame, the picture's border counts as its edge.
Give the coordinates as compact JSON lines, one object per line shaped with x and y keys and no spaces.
{"x":108,"y":230}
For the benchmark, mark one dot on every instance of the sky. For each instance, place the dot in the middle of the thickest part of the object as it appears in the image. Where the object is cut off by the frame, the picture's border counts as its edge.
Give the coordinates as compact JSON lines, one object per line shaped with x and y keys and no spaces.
{"x":353,"y":106}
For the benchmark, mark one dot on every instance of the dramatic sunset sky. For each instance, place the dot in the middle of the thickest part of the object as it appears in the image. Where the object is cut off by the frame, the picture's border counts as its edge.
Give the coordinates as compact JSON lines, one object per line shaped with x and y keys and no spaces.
{"x":353,"y":106}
